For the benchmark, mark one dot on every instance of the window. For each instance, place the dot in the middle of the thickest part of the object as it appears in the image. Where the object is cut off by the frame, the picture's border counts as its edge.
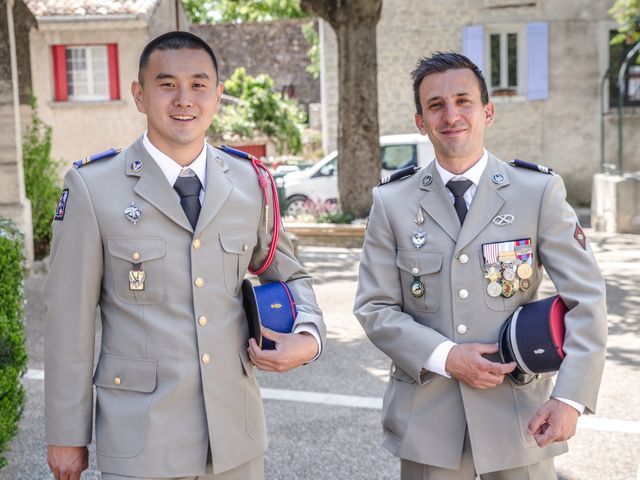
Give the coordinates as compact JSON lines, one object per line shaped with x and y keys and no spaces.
{"x":617,"y":55}
{"x":86,"y":73}
{"x":514,"y":58}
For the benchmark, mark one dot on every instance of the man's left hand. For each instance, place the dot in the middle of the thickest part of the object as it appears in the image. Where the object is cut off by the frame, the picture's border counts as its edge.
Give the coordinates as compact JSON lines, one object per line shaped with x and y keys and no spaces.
{"x":292,"y":350}
{"x":555,"y":421}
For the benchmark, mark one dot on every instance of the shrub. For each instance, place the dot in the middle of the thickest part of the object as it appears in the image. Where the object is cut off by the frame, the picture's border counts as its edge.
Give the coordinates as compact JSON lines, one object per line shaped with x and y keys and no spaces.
{"x":13,"y":355}
{"x":41,"y":180}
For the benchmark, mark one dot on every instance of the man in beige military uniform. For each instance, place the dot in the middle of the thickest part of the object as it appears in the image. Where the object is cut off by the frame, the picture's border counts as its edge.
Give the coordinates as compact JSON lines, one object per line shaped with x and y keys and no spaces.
{"x":176,"y":390}
{"x":424,"y":296}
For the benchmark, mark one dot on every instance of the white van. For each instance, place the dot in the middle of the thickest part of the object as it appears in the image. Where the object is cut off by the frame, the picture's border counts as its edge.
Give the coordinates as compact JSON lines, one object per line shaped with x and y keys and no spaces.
{"x":319,"y":184}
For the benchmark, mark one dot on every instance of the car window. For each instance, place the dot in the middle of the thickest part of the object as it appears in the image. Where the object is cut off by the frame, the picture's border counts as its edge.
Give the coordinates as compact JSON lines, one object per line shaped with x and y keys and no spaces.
{"x":394,"y":157}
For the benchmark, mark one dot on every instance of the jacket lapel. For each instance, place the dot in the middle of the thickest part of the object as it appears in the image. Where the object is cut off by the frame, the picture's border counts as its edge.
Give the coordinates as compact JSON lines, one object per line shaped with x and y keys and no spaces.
{"x":218,"y":189}
{"x":436,"y":202}
{"x":486,"y":203}
{"x":153,"y":186}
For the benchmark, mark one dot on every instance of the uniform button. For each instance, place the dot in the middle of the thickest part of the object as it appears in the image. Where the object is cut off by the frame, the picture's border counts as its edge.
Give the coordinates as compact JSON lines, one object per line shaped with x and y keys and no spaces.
{"x":415,"y":270}
{"x":117,"y":380}
{"x":463,"y":293}
{"x":394,"y":369}
{"x":196,"y":243}
{"x":199,"y":282}
{"x":135,"y":256}
{"x":463,"y":258}
{"x":462,"y":329}
{"x":206,"y":358}
{"x":245,"y":247}
{"x":202,"y":320}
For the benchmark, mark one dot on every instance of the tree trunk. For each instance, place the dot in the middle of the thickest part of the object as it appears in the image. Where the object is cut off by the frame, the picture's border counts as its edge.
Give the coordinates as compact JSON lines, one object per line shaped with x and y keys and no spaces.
{"x":354,"y":22}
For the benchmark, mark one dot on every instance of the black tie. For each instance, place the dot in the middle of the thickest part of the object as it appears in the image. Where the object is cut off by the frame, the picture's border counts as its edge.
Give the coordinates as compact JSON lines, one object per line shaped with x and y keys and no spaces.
{"x":458,"y":188}
{"x":189,"y":190}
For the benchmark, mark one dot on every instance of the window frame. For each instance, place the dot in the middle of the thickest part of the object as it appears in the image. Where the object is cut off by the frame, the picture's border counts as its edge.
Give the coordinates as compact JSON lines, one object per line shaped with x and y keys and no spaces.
{"x":504,"y":90}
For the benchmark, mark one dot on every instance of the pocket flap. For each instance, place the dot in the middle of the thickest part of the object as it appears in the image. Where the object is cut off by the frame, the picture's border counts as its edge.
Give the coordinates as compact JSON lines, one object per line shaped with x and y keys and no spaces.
{"x":399,"y":374}
{"x":425,"y":262}
{"x":134,"y":374}
{"x":146,"y":248}
{"x":238,"y":242}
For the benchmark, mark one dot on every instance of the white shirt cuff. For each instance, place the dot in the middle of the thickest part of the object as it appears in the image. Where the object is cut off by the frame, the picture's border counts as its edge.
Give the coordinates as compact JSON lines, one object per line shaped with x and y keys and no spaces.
{"x":313,"y":330}
{"x":578,"y":406}
{"x":438,"y":358}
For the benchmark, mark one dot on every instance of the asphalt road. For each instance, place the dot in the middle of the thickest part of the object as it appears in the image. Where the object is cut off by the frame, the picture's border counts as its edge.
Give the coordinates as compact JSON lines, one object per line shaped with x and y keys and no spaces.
{"x":324,"y":419}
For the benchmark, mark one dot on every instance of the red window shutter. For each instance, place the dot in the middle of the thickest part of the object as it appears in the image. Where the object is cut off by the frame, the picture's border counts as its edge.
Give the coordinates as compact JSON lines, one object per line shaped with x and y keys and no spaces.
{"x":114,"y":74}
{"x":61,"y":92}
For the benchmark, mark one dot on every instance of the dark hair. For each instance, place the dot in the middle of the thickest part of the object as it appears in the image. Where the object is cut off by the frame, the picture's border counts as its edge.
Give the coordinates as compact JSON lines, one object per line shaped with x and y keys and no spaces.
{"x":175,"y":41}
{"x":440,"y":62}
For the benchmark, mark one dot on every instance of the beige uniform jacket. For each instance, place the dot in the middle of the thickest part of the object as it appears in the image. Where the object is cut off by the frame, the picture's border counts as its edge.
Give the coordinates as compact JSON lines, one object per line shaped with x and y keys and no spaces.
{"x":424,"y":414}
{"x":160,"y":403}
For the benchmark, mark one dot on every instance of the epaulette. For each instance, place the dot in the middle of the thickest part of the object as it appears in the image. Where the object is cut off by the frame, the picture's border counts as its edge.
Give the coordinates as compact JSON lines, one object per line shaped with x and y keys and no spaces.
{"x":98,"y":156}
{"x":399,"y":174}
{"x":531,"y":166}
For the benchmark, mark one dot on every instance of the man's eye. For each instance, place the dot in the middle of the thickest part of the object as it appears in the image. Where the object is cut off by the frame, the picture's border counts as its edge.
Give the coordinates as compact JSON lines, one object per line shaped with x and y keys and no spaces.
{"x":434,"y":106}
{"x":166,"y":84}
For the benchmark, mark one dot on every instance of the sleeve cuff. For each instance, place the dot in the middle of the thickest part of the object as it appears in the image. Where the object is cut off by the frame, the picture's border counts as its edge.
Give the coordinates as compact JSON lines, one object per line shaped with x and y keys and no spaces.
{"x":578,"y":406}
{"x":313,"y":330}
{"x":438,"y":358}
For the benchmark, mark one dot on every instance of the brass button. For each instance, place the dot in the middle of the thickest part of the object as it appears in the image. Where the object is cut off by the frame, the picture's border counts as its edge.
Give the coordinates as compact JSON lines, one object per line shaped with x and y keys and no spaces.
{"x":462,"y":329}
{"x":135,"y":256}
{"x":206,"y":358}
{"x":463,"y":293}
{"x":202,"y":320}
{"x":117,"y":380}
{"x":415,"y":270}
{"x":245,"y":247}
{"x":463,"y":258}
{"x":197,"y":243}
{"x":199,"y":282}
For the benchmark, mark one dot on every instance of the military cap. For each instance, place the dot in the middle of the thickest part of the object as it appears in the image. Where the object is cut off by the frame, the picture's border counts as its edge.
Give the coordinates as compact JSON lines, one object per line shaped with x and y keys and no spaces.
{"x":533,"y":337}
{"x":270,"y":305}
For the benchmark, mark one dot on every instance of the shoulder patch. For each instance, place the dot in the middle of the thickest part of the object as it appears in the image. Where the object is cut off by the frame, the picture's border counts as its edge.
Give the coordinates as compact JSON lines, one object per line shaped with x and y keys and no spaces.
{"x":399,"y":174}
{"x":531,"y":166}
{"x":95,"y":157}
{"x":235,"y":152}
{"x":62,"y":205}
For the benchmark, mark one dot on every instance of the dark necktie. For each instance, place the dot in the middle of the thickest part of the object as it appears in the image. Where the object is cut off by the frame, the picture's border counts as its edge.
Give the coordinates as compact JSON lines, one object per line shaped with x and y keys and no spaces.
{"x":189,"y":190}
{"x":458,"y":188}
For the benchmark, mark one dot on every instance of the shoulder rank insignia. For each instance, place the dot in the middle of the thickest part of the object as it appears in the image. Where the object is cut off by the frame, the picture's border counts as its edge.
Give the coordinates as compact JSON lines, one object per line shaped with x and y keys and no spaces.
{"x":399,"y":174}
{"x":98,"y":156}
{"x":531,"y":166}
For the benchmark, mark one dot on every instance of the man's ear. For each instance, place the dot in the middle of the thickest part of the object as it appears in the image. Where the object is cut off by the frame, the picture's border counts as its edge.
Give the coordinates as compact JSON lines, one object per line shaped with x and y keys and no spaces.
{"x":489,"y":113}
{"x":136,"y":92}
{"x":420,"y":124}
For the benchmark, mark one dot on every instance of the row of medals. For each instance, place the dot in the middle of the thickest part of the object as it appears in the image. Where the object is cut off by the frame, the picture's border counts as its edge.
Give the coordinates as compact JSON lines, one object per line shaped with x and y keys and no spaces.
{"x":507,"y":277}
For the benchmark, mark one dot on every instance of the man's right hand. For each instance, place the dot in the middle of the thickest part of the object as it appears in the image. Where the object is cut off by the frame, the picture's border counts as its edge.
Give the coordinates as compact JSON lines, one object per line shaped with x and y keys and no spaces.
{"x":466,"y":363}
{"x":67,"y":463}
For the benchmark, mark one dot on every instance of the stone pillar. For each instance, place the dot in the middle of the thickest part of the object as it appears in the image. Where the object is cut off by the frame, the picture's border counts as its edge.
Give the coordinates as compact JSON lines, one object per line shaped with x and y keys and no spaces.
{"x":615,"y":203}
{"x":13,"y":200}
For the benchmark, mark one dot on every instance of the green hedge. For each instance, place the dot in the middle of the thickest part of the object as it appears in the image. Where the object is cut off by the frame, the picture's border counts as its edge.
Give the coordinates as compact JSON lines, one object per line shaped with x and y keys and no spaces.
{"x":13,"y":354}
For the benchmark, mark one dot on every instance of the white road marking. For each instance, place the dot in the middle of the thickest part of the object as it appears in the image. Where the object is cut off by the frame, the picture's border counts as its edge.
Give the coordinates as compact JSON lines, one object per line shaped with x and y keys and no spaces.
{"x":585,"y":422}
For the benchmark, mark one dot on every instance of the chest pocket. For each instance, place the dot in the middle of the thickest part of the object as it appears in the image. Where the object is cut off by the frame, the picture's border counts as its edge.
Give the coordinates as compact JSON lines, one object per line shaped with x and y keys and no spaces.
{"x":424,"y":267}
{"x":237,"y":248}
{"x":149,"y":254}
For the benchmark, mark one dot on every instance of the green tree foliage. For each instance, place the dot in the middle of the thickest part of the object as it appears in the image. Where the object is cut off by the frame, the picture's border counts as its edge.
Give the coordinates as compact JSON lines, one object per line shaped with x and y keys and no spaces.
{"x":13,"y":356}
{"x":41,"y":179}
{"x":627,"y":14}
{"x":235,"y":11}
{"x":311,"y":35}
{"x":260,"y":109}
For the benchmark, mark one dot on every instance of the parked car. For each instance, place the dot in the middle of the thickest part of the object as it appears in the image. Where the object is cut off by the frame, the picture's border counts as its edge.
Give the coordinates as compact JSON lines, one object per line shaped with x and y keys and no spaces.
{"x":319,"y":184}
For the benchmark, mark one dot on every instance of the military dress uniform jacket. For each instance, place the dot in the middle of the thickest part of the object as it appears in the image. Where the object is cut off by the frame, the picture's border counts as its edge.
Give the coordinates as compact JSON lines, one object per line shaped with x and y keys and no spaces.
{"x":424,"y":414}
{"x":173,"y":376}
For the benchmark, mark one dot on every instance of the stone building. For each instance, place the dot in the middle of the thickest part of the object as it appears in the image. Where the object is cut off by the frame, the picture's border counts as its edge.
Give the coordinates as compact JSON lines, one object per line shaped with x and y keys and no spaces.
{"x":544,"y":61}
{"x":84,"y":56}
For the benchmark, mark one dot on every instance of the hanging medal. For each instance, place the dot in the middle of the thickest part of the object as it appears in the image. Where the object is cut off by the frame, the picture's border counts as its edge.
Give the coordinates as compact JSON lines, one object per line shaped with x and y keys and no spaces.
{"x":136,"y":278}
{"x":417,"y":287}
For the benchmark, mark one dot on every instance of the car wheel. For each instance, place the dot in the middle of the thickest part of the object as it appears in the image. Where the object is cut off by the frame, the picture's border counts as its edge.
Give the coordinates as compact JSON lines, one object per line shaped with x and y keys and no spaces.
{"x":296,"y":205}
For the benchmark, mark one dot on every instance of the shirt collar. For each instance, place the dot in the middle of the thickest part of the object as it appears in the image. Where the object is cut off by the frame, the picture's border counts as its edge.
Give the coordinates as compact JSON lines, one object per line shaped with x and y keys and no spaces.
{"x":473,"y":174}
{"x":172,"y":169}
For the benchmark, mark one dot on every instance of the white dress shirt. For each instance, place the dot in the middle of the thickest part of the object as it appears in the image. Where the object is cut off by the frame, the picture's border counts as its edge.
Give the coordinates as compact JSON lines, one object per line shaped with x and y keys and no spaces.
{"x":438,"y":358}
{"x":172,"y":170}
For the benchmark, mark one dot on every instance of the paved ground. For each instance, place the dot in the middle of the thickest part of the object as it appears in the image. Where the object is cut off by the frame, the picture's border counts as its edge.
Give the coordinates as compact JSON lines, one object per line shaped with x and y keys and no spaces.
{"x":336,"y":436}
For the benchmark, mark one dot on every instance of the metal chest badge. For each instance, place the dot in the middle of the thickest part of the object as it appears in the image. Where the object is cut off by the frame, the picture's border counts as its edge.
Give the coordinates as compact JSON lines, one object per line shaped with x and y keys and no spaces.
{"x":136,"y":277}
{"x":133,"y":213}
{"x":418,"y":238}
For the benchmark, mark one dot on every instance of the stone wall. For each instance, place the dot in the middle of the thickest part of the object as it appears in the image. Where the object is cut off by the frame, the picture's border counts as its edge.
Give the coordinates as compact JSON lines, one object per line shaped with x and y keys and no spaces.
{"x":277,"y":48}
{"x":562,"y":131}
